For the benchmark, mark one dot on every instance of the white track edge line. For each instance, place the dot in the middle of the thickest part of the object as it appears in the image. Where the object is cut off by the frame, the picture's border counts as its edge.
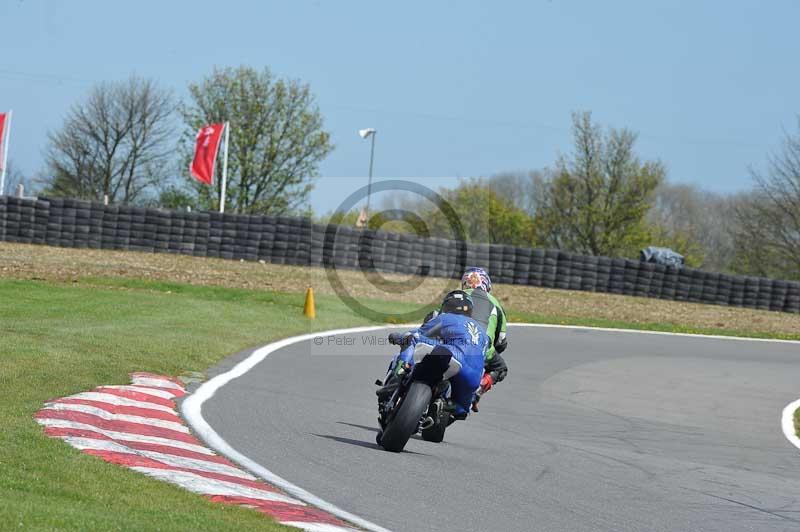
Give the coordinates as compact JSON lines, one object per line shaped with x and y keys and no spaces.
{"x":663,"y":333}
{"x":191,"y":407}
{"x":192,"y":411}
{"x":787,"y":422}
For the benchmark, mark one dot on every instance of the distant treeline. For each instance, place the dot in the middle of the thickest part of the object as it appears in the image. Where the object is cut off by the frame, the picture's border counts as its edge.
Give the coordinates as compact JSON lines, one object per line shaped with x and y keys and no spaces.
{"x":600,"y":200}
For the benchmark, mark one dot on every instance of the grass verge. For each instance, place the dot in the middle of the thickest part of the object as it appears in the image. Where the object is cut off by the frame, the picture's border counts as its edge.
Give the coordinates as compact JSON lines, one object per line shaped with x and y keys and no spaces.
{"x":797,"y":422}
{"x":58,"y":339}
{"x":25,"y":261}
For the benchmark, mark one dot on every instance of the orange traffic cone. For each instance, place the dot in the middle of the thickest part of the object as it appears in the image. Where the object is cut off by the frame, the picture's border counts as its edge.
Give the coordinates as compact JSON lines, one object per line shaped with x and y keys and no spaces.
{"x":309,"y":310}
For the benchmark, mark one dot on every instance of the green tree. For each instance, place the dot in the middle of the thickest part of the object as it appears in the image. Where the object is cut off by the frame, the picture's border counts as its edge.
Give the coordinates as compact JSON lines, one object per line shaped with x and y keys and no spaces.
{"x":277,"y":139}
{"x":597,"y":200}
{"x":173,"y":197}
{"x":484,"y":215}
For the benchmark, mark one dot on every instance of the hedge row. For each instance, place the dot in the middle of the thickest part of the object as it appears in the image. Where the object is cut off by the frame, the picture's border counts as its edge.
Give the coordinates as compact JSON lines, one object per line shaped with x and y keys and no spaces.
{"x":297,"y":241}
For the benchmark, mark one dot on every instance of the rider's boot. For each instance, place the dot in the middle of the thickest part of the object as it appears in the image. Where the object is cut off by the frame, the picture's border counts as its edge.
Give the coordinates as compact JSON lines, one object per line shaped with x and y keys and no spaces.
{"x":437,"y":413}
{"x":457,"y":413}
{"x":392,"y":381}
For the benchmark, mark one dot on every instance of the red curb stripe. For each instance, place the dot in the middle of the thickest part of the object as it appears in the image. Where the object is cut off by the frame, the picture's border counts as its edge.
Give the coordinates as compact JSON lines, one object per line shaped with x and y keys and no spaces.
{"x":123,"y":409}
{"x":116,"y":426}
{"x":282,"y":511}
{"x":58,"y":432}
{"x":136,"y":396}
{"x":137,"y":460}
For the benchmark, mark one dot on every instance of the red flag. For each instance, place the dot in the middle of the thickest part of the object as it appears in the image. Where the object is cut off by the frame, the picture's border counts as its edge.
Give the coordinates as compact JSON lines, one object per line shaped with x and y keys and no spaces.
{"x":2,"y":139}
{"x":205,"y":153}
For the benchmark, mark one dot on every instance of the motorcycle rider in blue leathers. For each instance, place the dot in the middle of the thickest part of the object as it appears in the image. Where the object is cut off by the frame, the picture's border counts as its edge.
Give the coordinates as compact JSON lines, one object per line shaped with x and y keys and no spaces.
{"x":451,"y":347}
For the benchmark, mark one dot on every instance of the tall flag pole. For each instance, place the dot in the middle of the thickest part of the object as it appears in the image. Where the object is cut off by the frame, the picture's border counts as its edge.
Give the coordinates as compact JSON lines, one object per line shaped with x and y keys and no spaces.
{"x":205,"y":153}
{"x":225,"y":167}
{"x":5,"y":131}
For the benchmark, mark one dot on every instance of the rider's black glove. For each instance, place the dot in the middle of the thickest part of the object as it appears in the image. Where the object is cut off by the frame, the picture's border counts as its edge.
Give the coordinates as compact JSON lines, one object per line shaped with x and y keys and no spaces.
{"x":501,"y":345}
{"x":402,"y":339}
{"x":428,"y":317}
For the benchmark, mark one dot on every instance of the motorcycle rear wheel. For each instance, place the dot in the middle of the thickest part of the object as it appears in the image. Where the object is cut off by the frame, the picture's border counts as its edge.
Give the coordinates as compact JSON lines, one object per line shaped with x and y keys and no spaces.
{"x":406,"y":419}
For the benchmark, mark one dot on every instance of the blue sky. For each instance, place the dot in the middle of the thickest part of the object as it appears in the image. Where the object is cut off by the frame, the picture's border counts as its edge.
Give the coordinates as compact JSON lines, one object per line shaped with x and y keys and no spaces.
{"x":455,"y":89}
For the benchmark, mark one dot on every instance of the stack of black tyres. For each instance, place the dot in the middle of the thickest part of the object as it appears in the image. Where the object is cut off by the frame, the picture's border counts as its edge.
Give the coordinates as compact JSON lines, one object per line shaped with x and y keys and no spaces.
{"x":136,"y":238}
{"x":616,"y":281}
{"x":644,"y":278}
{"x":124,"y":229}
{"x":750,"y":292}
{"x":764,"y":296}
{"x":536,"y":267}
{"x":419,"y":262}
{"x":780,"y":291}
{"x":83,"y":215}
{"x":317,"y":239}
{"x":297,"y":241}
{"x":266,"y":237}
{"x":563,"y":269}
{"x":549,"y":268}
{"x":20,"y":220}
{"x":523,"y":260}
{"x":792,"y":298}
{"x":603,"y":281}
{"x":108,"y":227}
{"x":3,"y":212}
{"x":200,"y":222}
{"x":41,"y":217}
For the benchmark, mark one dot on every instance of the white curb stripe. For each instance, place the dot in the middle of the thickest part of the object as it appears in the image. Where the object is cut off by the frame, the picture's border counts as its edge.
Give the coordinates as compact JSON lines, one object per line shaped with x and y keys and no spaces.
{"x":210,"y":486}
{"x":317,"y":527}
{"x":156,"y":382}
{"x":192,"y":412}
{"x":787,"y":422}
{"x":166,"y":459}
{"x":124,"y":436}
{"x":192,"y":406}
{"x":163,"y":394}
{"x":116,"y":400}
{"x":104,"y":414}
{"x":662,"y":333}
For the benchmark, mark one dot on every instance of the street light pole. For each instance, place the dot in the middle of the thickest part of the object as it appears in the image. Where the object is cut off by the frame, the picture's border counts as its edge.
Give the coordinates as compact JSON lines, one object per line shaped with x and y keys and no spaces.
{"x":364,"y":133}
{"x":371,"y":158}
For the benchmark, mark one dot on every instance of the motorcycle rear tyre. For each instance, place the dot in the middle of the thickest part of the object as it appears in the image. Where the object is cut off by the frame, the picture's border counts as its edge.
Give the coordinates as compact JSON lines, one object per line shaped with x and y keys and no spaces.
{"x":406,"y":420}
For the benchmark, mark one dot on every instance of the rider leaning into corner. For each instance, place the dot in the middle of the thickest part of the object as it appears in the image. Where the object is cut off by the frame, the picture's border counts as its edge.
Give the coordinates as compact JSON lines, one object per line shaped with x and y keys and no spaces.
{"x":450,"y":346}
{"x":489,"y":313}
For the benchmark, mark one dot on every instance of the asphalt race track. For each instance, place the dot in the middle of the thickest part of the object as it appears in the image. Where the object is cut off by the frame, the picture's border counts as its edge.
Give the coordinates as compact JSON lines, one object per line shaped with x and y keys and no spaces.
{"x":592,"y":430}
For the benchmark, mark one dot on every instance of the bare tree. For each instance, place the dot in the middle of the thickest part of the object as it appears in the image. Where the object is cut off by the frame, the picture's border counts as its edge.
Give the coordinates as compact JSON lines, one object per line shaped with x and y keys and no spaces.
{"x":115,"y":143}
{"x":768,"y":230}
{"x":14,"y":178}
{"x":524,"y":190}
{"x":701,"y":220}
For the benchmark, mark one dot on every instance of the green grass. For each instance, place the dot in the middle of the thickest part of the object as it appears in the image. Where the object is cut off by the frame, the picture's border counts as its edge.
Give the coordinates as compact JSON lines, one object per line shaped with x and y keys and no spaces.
{"x":797,"y":422}
{"x":58,"y":339}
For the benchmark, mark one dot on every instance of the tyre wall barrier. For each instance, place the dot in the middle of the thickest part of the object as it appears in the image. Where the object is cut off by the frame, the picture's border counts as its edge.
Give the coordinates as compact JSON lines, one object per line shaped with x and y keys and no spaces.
{"x":297,"y":241}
